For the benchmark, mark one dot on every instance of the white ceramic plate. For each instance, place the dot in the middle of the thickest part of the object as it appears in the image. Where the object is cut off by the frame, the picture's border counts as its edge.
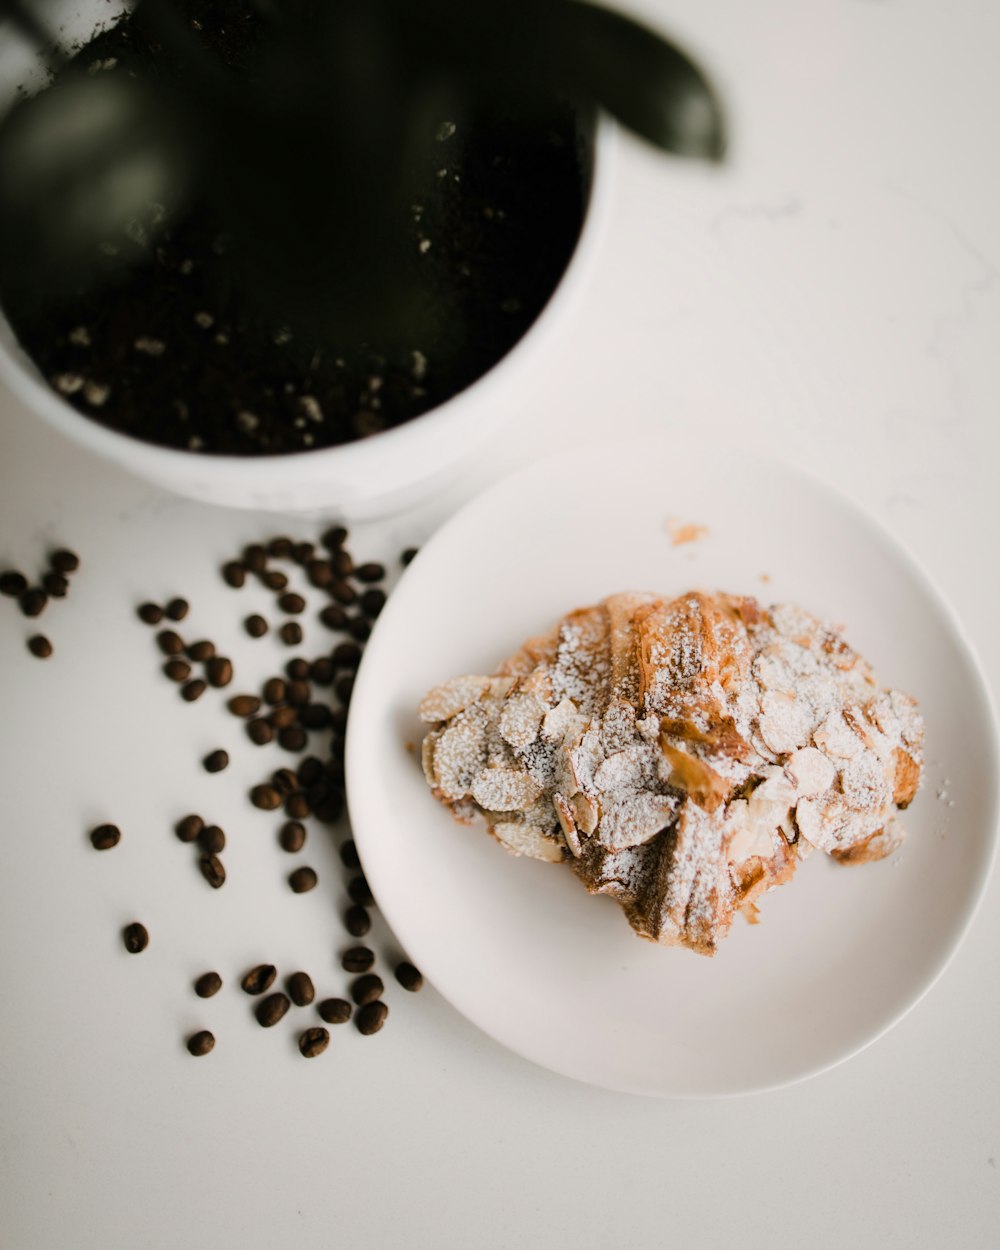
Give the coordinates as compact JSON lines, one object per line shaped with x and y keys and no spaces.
{"x":518,"y":946}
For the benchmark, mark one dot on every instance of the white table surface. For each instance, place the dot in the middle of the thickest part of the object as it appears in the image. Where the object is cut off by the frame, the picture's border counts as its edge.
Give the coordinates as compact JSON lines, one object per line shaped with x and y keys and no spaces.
{"x":832,"y":297}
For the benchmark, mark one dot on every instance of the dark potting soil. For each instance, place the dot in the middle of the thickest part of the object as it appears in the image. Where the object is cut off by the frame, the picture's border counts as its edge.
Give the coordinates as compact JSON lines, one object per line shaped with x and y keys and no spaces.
{"x":173,"y":356}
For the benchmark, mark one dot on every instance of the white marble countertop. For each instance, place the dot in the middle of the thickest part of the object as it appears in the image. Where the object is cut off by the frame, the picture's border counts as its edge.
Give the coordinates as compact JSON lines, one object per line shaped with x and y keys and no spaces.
{"x":831,"y":296}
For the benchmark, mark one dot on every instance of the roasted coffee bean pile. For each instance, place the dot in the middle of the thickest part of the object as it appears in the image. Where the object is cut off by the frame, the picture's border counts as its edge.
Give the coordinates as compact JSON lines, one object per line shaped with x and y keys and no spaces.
{"x":33,"y":599}
{"x":302,"y":710}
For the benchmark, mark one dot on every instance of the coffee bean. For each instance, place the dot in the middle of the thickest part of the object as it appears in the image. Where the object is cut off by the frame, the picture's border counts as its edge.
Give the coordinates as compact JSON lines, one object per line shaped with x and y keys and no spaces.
{"x":344,"y":593}
{"x":344,"y":686}
{"x":313,"y":1042}
{"x":334,"y":537}
{"x":177,"y":670}
{"x":189,"y":827}
{"x":320,"y":573}
{"x":201,"y":1043}
{"x":135,"y":937}
{"x":330,"y":809}
{"x":338,"y":719}
{"x":315,"y":716}
{"x":255,"y":626}
{"x":285,"y":781}
{"x":291,"y":633}
{"x":170,"y":642}
{"x":297,"y":669}
{"x":335,"y":1010}
{"x":372,"y":602}
{"x":346,"y":655}
{"x":212,"y":870}
{"x":360,"y":891}
{"x":342,"y":562}
{"x":150,"y":613}
{"x":335,"y":770}
{"x":33,"y":601}
{"x":309,"y":771}
{"x":407,"y":556}
{"x":274,"y":579}
{"x":40,"y":647}
{"x":370,"y":572}
{"x":297,"y":805}
{"x":216,"y":761}
{"x":104,"y":837}
{"x":234,"y":574}
{"x":357,"y":921}
{"x":302,"y":553}
{"x":259,"y":979}
{"x":271,"y":1010}
{"x":55,"y":585}
{"x":334,"y":617}
{"x":292,"y":836}
{"x":13,"y":584}
{"x":282,"y":717}
{"x":208,"y":983}
{"x":300,"y":989}
{"x":212,"y":839}
{"x":274,"y":690}
{"x":266,"y":798}
{"x":244,"y":704}
{"x":349,"y":856}
{"x":219,"y":671}
{"x":280,"y":547}
{"x":359,"y":628}
{"x":409,"y":977}
{"x":292,"y":603}
{"x":293,"y":738}
{"x":201,"y":651}
{"x":298,"y":692}
{"x":255,"y":558}
{"x":177,"y":609}
{"x":370,"y":1018}
{"x":357,"y":959}
{"x":321,"y":671}
{"x":193,"y":690}
{"x":302,"y":880}
{"x":259,"y":732}
{"x":64,"y":561}
{"x":367,"y":989}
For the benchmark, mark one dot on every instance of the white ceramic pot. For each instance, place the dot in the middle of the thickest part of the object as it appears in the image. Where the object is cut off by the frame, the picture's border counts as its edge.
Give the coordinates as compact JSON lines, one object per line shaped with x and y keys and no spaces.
{"x":371,"y":477}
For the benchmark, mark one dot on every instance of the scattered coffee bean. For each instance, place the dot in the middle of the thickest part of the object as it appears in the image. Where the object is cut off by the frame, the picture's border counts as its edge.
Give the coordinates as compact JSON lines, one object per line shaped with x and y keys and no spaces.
{"x":255,"y":626}
{"x":345,"y":594}
{"x":33,"y":601}
{"x":13,"y":584}
{"x":349,"y":856}
{"x":271,"y":1010}
{"x":170,"y":642}
{"x":297,"y":806}
{"x":367,"y":989}
{"x":104,"y":837}
{"x":188,"y":828}
{"x":346,"y":655}
{"x":201,"y":1043}
{"x":40,"y":647}
{"x":135,"y":937}
{"x":259,"y":978}
{"x":259,"y":732}
{"x":334,"y":617}
{"x":344,"y":686}
{"x":357,"y":921}
{"x":274,"y":579}
{"x":334,"y":537}
{"x":293,"y":738}
{"x":255,"y":558}
{"x":320,"y":573}
{"x":284,"y":781}
{"x":177,"y":669}
{"x":55,"y":585}
{"x":338,"y":719}
{"x":370,"y":572}
{"x":372,"y":602}
{"x":300,"y":989}
{"x":409,"y":977}
{"x":292,"y":603}
{"x":360,"y":891}
{"x":314,"y":1041}
{"x":201,"y":651}
{"x":266,"y":798}
{"x":274,"y":690}
{"x":335,"y":1010}
{"x":292,"y":836}
{"x":360,"y":628}
{"x":194,"y":690}
{"x":310,"y":770}
{"x":330,"y":808}
{"x":219,"y":671}
{"x":280,"y":547}
{"x":212,"y":839}
{"x":234,"y":574}
{"x":216,"y":761}
{"x":357,"y":959}
{"x":408,"y":555}
{"x":177,"y":609}
{"x":150,"y":613}
{"x":302,"y":880}
{"x":302,"y":553}
{"x":321,"y":671}
{"x":343,"y":564}
{"x":64,"y":561}
{"x":370,"y":1018}
{"x":212,"y":870}
{"x":244,"y":704}
{"x":298,"y":691}
{"x":208,"y":983}
{"x":291,"y":633}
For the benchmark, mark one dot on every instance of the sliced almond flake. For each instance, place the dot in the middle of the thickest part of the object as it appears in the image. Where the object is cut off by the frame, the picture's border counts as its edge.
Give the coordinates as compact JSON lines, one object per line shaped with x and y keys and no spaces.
{"x":451,"y":697}
{"x":505,"y":789}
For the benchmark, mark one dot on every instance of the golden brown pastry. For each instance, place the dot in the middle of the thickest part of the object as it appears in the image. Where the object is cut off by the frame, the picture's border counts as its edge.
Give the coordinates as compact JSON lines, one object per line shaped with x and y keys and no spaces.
{"x":680,"y":756}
